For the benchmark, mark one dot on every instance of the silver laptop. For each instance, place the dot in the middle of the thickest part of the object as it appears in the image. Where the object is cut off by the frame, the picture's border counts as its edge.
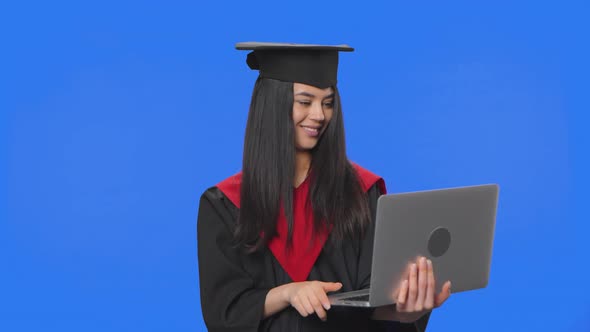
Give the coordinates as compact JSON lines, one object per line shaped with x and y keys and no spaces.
{"x":453,"y":227}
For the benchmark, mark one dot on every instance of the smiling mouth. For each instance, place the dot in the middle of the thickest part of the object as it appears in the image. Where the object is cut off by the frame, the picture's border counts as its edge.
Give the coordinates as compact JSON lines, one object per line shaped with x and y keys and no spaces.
{"x":311,"y":131}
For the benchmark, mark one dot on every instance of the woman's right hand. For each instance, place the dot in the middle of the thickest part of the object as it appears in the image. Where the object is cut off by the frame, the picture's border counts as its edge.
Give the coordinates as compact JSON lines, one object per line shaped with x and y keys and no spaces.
{"x":308,"y":297}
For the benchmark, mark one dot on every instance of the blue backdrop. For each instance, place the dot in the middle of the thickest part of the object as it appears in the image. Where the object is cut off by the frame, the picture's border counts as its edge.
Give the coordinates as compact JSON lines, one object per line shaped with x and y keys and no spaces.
{"x":116,"y":116}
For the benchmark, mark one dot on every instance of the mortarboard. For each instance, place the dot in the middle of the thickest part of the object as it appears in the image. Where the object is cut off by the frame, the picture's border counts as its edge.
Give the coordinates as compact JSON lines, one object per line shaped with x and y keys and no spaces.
{"x":310,"y":64}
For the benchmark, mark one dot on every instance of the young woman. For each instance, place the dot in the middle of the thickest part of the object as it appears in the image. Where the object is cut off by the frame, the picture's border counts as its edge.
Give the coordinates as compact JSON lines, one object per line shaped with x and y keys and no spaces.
{"x":297,"y":222}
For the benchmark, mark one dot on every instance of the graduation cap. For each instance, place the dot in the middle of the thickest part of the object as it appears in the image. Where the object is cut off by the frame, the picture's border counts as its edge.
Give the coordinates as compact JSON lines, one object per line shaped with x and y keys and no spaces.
{"x":310,"y":64}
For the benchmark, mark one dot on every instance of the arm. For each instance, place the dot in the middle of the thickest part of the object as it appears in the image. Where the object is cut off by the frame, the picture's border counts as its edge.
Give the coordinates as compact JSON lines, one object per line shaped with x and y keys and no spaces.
{"x":230,"y":298}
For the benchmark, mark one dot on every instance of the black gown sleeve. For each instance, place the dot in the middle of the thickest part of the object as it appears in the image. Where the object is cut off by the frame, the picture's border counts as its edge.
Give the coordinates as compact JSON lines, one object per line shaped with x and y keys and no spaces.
{"x":230,"y":300}
{"x":364,"y":274}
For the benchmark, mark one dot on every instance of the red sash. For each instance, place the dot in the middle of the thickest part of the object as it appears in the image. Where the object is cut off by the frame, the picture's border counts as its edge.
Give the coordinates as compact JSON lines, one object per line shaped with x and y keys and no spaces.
{"x":300,"y":258}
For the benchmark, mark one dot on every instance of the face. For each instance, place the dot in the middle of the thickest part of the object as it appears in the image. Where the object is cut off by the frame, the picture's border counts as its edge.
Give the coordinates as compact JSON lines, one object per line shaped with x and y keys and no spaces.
{"x":312,"y":111}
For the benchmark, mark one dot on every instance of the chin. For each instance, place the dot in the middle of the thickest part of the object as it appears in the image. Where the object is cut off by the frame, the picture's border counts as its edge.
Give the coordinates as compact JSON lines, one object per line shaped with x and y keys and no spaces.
{"x":305,"y":147}
{"x":306,"y":144}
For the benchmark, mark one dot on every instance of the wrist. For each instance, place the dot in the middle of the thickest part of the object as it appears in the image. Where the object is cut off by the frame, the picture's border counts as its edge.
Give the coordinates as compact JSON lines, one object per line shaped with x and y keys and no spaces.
{"x":277,"y":299}
{"x":408,"y":317}
{"x":285,"y":293}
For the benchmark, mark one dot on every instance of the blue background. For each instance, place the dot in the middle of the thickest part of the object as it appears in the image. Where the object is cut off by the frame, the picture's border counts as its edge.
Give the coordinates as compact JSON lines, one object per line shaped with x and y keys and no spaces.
{"x":116,"y":116}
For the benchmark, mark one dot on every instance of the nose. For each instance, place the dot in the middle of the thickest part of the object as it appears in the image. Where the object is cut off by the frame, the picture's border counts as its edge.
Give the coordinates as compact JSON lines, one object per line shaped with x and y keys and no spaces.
{"x":317,"y":112}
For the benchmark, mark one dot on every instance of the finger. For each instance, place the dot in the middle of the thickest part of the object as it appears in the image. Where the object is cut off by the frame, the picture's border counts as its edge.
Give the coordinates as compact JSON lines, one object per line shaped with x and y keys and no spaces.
{"x":307,"y":305}
{"x":422,"y":284}
{"x":330,"y":286}
{"x":403,"y":293}
{"x":402,"y":296}
{"x":296,"y":303}
{"x":323,"y":298}
{"x":413,"y":289}
{"x":429,"y":300}
{"x":317,"y":307}
{"x":443,"y":295}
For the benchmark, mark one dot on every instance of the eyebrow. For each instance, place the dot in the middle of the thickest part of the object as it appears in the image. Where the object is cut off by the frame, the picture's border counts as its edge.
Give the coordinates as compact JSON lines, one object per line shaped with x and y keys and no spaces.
{"x":307,"y":94}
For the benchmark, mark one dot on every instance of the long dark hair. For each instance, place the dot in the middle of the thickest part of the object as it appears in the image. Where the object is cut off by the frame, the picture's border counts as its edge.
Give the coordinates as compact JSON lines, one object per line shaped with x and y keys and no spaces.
{"x":337,"y":198}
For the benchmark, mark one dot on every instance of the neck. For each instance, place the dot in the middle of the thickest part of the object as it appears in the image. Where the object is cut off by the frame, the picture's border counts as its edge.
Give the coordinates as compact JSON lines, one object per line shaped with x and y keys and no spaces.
{"x":302,"y":164}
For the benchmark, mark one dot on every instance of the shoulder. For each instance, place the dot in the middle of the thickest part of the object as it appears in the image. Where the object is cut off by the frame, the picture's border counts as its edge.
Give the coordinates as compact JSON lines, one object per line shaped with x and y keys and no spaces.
{"x":215,"y":205}
{"x":231,"y":187}
{"x":228,"y":189}
{"x":369,"y":179}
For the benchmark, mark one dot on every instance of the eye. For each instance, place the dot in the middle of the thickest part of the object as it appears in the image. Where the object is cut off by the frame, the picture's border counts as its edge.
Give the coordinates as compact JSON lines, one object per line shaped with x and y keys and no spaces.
{"x":304,"y":102}
{"x":329,"y":104}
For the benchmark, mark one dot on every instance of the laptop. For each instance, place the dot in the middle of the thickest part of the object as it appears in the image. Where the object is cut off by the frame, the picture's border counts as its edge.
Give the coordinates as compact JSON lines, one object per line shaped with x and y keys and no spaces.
{"x":453,"y":227}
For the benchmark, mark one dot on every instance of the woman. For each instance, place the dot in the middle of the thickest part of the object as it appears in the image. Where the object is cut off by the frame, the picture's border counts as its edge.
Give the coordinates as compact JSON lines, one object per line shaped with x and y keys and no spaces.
{"x":297,"y":222}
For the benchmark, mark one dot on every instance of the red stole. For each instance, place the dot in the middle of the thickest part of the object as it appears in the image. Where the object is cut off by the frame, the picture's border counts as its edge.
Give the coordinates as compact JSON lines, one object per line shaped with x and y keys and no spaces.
{"x":298,"y":260}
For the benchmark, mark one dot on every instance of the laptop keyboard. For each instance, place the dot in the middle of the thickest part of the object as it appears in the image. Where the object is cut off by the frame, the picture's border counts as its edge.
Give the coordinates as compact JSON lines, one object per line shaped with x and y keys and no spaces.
{"x":359,"y":298}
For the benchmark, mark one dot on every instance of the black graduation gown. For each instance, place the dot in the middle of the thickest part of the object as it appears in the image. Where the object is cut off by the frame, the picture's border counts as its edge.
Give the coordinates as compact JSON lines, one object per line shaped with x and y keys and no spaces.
{"x":234,"y":284}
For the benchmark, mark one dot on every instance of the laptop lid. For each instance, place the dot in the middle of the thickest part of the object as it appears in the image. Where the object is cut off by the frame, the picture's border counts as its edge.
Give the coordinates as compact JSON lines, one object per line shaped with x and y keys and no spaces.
{"x":453,"y":227}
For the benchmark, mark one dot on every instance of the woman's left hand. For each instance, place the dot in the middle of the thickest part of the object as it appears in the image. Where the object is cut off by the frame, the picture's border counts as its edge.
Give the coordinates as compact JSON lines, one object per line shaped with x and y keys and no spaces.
{"x":416,"y":296}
